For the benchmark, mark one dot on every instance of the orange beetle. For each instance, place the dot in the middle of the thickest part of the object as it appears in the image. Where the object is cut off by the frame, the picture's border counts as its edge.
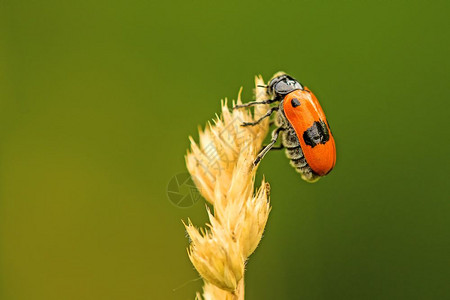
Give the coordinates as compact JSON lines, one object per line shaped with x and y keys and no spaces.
{"x":305,"y":133}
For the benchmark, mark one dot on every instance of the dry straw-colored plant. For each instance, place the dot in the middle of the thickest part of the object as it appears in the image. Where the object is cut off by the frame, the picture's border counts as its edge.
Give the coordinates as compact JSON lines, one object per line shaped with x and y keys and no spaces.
{"x":221,"y":165}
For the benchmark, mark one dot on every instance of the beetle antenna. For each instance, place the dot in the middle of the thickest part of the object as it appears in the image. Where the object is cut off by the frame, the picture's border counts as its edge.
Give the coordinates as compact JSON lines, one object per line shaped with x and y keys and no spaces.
{"x":264,"y":86}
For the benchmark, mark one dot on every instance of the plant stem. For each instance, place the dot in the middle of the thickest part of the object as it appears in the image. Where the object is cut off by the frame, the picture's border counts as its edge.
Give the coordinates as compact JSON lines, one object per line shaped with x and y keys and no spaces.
{"x":239,"y":293}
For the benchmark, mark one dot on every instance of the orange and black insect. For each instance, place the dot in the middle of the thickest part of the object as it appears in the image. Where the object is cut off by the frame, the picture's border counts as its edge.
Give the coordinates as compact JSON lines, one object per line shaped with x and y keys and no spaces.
{"x":304,"y":129}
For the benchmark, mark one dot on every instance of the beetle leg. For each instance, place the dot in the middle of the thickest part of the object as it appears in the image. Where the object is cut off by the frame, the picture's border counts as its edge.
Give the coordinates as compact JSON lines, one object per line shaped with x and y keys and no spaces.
{"x":281,"y":147}
{"x":267,"y":148}
{"x":255,"y":103}
{"x":271,"y":110}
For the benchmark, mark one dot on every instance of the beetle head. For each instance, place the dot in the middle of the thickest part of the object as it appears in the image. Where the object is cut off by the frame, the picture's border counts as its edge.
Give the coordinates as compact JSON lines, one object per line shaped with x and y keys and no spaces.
{"x":282,"y":85}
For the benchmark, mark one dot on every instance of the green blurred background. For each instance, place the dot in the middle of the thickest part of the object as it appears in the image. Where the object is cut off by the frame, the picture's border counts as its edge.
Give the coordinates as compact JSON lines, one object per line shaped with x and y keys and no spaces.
{"x":98,"y":98}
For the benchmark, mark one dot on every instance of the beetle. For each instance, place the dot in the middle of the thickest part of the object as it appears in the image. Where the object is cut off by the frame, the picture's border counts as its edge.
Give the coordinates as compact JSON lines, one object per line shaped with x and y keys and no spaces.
{"x":300,"y":121}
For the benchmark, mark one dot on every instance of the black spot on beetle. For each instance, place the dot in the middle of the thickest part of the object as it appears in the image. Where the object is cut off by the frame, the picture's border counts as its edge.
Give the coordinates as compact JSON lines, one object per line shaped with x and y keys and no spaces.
{"x":295,"y":102}
{"x":316,"y":134}
{"x":331,"y":131}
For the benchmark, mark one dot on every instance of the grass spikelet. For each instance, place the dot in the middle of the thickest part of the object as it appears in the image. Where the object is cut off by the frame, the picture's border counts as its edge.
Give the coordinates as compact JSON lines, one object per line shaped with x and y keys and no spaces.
{"x":221,"y":165}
